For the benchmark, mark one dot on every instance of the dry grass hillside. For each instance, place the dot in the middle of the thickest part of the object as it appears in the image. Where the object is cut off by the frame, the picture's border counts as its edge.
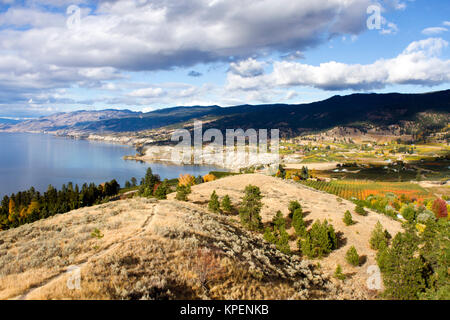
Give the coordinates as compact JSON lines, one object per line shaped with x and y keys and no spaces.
{"x":147,"y":249}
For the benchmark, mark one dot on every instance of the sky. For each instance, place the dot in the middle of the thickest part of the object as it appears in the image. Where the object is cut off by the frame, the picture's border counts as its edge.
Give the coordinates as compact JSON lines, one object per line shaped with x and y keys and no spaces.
{"x":142,"y":55}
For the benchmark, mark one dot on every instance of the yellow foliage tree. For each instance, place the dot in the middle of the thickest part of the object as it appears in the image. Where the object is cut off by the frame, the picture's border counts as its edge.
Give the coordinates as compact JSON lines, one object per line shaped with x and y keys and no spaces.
{"x":186,"y":180}
{"x":209,"y":177}
{"x":12,"y":207}
{"x":34,"y":206}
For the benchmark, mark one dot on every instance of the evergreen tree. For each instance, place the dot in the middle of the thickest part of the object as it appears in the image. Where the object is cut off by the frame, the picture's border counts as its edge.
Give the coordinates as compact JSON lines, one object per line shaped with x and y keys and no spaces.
{"x":251,"y":208}
{"x":319,"y":241}
{"x":378,"y":239}
{"x":214,"y":204}
{"x":226,"y":204}
{"x":352,"y":256}
{"x":183,"y":192}
{"x":162,"y":190}
{"x":338,"y":273}
{"x":348,"y":220}
{"x":293,"y":205}
{"x":298,"y":222}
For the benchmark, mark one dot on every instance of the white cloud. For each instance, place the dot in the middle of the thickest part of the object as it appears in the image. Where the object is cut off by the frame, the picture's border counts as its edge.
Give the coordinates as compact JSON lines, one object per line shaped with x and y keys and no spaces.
{"x":162,"y":34}
{"x":446,"y":23}
{"x":247,"y":68}
{"x":434,"y":30}
{"x":417,"y":64}
{"x":147,"y":93}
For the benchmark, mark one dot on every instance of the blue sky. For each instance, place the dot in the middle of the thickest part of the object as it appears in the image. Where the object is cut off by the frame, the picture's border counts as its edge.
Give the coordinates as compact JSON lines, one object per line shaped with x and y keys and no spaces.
{"x":64,"y":55}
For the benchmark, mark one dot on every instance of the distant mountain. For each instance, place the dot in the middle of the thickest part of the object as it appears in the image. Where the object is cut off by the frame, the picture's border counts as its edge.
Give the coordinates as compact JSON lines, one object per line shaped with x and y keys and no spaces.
{"x":9,"y":121}
{"x":351,"y":110}
{"x":67,"y":120}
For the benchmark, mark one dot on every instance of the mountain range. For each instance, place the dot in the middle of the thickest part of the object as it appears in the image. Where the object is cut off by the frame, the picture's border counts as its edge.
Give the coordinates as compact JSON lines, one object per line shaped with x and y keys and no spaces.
{"x":352,"y":110}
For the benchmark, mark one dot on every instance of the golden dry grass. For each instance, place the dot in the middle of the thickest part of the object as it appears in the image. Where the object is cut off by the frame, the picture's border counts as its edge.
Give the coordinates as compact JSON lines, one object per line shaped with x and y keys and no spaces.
{"x":178,"y":250}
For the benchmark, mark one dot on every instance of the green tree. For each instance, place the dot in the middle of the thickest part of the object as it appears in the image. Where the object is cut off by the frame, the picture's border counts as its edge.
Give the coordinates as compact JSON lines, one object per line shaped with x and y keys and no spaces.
{"x":214,"y":204}
{"x":278,"y":235}
{"x":319,"y":241}
{"x":348,"y":220}
{"x":298,"y":222}
{"x":404,"y":272}
{"x":162,"y":190}
{"x":183,"y":192}
{"x":338,"y":273}
{"x":352,"y":256}
{"x":251,"y":208}
{"x":226,"y":204}
{"x":378,"y":239}
{"x":293,"y":205}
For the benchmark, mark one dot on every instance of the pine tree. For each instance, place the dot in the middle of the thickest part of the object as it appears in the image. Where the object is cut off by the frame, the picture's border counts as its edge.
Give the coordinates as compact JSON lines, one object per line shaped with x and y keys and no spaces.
{"x":378,"y":239}
{"x":338,"y":273}
{"x":352,"y":256}
{"x":298,"y":222}
{"x":226,"y":204}
{"x":348,"y":220}
{"x":293,"y":205}
{"x":214,"y":204}
{"x":251,"y":208}
{"x":162,"y":190}
{"x":183,"y":192}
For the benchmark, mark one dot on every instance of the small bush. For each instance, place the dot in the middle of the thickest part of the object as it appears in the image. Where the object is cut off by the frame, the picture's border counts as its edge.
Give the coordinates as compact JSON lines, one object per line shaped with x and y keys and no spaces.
{"x":182,"y":192}
{"x":360,"y":210}
{"x":338,"y":273}
{"x":352,"y":256}
{"x":348,"y":220}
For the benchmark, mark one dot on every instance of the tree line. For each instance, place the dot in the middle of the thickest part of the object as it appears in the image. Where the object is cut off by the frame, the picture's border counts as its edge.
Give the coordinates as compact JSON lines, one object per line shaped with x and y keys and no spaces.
{"x":29,"y":206}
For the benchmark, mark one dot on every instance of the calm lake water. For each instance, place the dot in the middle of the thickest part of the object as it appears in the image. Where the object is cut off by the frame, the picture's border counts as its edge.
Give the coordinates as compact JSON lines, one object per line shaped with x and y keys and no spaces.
{"x":38,"y":160}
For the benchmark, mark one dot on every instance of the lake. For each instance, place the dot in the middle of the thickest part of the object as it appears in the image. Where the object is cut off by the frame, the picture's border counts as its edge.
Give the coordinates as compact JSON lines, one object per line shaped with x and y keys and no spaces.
{"x":37,"y":160}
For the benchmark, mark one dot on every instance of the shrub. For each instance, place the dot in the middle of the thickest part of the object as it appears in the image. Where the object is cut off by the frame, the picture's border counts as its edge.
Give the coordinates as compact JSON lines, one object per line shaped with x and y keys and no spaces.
{"x":440,"y":208}
{"x":251,"y":208}
{"x":360,"y":210}
{"x":348,"y":220}
{"x":182,"y":192}
{"x":352,"y":256}
{"x":338,"y":273}
{"x":162,"y":190}
{"x":298,"y":222}
{"x":319,"y":241}
{"x":378,"y":239}
{"x":293,"y":205}
{"x":408,"y":212}
{"x":214,"y":204}
{"x":281,"y":173}
{"x":226,"y":204}
{"x":209,"y":177}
